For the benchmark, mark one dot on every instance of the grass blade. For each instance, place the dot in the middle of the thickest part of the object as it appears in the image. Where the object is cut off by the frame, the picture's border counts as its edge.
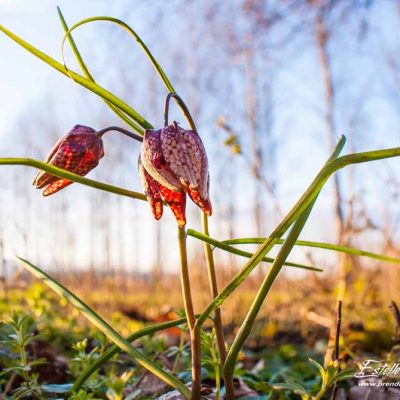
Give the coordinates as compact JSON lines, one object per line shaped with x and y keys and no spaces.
{"x":320,"y":245}
{"x":107,"y":355}
{"x":62,"y":173}
{"x":89,"y":76}
{"x":103,"y":326}
{"x":306,"y":199}
{"x":258,"y":301}
{"x":88,"y":84}
{"x":269,"y":279}
{"x":137,"y":38}
{"x":234,"y":250}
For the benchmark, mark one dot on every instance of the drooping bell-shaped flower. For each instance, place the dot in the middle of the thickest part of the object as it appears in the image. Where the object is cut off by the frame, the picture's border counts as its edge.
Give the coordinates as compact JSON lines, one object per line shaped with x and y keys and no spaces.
{"x":155,"y":192}
{"x":173,"y":162}
{"x":79,"y":151}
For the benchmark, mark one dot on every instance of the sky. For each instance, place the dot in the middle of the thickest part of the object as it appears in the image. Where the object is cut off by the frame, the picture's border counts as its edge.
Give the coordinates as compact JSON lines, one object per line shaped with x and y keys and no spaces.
{"x":25,"y":82}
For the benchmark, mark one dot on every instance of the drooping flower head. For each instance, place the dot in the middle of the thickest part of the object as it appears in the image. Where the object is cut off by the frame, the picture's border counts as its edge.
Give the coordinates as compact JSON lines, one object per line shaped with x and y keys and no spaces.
{"x":173,"y":162}
{"x":79,"y":151}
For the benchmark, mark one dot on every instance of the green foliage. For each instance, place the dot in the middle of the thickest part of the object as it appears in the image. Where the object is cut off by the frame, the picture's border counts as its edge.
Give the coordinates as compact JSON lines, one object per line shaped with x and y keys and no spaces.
{"x":21,"y":333}
{"x":211,"y":358}
{"x":82,"y":359}
{"x":82,"y":395}
{"x":117,"y":384}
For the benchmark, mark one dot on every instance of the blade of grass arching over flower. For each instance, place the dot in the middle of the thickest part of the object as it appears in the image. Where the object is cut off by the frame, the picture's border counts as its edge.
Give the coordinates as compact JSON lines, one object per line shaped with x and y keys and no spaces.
{"x":61,"y":173}
{"x":258,"y":301}
{"x":306,"y":199}
{"x":88,"y":84}
{"x":320,"y":245}
{"x":89,"y":76}
{"x":125,"y":26}
{"x":113,"y":350}
{"x":104,"y":327}
{"x":230,"y":249}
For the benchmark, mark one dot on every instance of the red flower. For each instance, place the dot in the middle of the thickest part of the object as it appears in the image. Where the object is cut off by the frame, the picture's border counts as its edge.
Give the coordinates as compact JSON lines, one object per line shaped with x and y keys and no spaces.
{"x":173,"y":162}
{"x":79,"y":151}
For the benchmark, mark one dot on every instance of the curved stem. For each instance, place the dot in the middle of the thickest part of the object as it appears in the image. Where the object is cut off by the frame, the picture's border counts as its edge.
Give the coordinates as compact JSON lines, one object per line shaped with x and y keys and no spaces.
{"x":122,"y":130}
{"x":182,"y":106}
{"x":190,"y":316}
{"x":125,"y":26}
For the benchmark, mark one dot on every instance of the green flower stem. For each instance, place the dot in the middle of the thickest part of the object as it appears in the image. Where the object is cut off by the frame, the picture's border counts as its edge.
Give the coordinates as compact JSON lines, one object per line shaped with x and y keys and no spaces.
{"x":190,"y":315}
{"x":183,"y":108}
{"x":87,"y":83}
{"x":196,"y":330}
{"x":319,"y":245}
{"x":221,"y":245}
{"x":113,"y":350}
{"x":132,"y":135}
{"x":102,"y":325}
{"x":219,"y":331}
{"x":61,"y":173}
{"x":88,"y":75}
{"x":212,"y":277}
{"x":306,"y":199}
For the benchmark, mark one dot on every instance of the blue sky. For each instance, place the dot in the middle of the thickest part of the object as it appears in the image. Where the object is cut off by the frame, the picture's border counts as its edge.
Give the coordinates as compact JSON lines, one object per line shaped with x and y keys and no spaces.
{"x":25,"y":81}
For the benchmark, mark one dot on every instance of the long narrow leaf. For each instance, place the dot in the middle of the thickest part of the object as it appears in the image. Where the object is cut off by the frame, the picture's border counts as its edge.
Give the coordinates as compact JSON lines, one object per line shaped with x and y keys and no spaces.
{"x":107,"y":355}
{"x":89,"y":76}
{"x":103,"y":326}
{"x":125,"y":26}
{"x":306,"y":199}
{"x":93,"y":87}
{"x":233,"y":250}
{"x":319,"y":245}
{"x":72,"y":177}
{"x":272,"y":274}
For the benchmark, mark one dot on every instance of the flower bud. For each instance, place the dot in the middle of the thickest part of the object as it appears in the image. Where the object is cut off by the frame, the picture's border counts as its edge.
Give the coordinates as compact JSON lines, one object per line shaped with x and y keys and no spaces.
{"x":79,"y":151}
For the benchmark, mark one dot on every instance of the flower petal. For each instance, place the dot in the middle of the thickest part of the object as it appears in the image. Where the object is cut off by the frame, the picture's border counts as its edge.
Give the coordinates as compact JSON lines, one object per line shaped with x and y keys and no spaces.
{"x":184,"y":152}
{"x":205,"y":205}
{"x":176,"y":154}
{"x":151,"y":190}
{"x":154,"y":162}
{"x":56,"y":186}
{"x":199,"y":162}
{"x":176,"y":202}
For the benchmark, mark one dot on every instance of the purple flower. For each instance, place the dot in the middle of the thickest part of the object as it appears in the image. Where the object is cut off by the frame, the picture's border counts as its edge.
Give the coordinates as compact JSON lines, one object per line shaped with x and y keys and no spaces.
{"x":173,"y":162}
